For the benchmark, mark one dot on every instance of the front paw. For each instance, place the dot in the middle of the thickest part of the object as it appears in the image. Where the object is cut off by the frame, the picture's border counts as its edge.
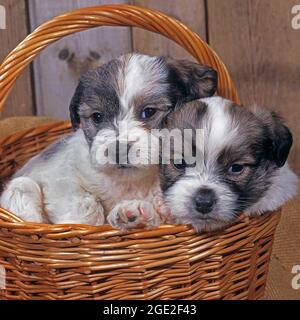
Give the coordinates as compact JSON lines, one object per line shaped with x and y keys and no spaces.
{"x":91,"y":211}
{"x":79,"y":209}
{"x":163,"y":210}
{"x":131,"y":214}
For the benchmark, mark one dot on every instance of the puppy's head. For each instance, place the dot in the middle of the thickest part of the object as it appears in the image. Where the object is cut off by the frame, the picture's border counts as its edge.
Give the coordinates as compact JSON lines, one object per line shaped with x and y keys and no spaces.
{"x":237,"y":153}
{"x":118,"y":103}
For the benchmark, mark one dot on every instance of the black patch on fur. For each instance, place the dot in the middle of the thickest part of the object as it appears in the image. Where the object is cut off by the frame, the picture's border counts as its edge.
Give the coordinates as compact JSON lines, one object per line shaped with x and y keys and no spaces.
{"x":200,"y":112}
{"x":96,"y":90}
{"x":168,"y":176}
{"x":190,"y":81}
{"x":282,"y":140}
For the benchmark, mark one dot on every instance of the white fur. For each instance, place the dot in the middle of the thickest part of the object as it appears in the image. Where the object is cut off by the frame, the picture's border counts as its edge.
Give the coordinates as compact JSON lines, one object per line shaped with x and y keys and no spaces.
{"x":74,"y":184}
{"x":23,"y":197}
{"x":217,"y":128}
{"x":140,"y":74}
{"x":129,"y":131}
{"x":283,"y":188}
{"x":178,"y":197}
{"x":73,"y":190}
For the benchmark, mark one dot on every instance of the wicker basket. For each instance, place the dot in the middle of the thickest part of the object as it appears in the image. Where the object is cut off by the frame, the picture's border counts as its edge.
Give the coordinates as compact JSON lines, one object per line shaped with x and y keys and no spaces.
{"x":83,"y":262}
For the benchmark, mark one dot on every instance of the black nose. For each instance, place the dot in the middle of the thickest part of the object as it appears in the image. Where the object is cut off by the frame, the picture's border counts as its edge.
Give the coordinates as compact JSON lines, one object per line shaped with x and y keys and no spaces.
{"x":204,"y":200}
{"x":122,"y":150}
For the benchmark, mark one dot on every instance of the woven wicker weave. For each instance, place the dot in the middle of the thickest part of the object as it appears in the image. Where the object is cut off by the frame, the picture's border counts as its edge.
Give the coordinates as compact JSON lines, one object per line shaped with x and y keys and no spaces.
{"x":84,"y":262}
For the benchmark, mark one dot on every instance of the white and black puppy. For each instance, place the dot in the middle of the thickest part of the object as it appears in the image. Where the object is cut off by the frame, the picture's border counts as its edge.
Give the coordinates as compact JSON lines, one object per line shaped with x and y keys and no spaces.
{"x":240,"y":164}
{"x":72,"y":181}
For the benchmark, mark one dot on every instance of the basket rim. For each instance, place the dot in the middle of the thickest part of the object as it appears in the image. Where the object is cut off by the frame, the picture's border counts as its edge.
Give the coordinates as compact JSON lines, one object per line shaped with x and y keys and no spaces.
{"x":53,"y":126}
{"x":9,"y":220}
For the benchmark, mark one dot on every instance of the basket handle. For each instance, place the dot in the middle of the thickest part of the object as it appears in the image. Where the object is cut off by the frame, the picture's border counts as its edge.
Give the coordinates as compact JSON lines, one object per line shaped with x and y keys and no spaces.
{"x":110,"y":15}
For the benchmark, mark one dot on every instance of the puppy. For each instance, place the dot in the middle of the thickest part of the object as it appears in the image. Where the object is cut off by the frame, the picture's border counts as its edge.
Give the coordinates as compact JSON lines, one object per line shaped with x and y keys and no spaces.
{"x":77,"y":179}
{"x":239,"y":164}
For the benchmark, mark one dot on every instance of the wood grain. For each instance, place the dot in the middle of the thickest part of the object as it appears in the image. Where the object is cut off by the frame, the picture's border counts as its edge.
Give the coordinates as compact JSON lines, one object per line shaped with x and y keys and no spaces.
{"x":57,"y":69}
{"x":256,"y":41}
{"x":20,"y":101}
{"x":193,"y":15}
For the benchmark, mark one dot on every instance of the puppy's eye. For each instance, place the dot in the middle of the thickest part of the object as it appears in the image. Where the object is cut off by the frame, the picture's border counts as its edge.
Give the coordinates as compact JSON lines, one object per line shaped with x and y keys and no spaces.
{"x":236,"y":169}
{"x":180,"y":166}
{"x":148,"y":113}
{"x":96,"y":117}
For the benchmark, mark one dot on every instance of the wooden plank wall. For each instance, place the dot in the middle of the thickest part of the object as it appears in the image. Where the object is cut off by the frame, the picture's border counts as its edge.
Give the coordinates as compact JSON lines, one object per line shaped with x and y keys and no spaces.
{"x":57,"y":69}
{"x":20,"y":101}
{"x":193,"y":15}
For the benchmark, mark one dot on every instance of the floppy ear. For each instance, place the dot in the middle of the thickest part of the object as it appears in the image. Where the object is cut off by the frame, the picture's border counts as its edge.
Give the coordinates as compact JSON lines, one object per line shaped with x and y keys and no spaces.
{"x":74,"y":106}
{"x":279,"y":135}
{"x":282,"y":140}
{"x":190,"y":80}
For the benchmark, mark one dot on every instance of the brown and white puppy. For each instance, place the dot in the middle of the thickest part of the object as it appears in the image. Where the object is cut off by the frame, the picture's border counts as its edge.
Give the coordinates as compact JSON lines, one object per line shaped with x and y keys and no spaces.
{"x":238,"y":164}
{"x":76,"y":180}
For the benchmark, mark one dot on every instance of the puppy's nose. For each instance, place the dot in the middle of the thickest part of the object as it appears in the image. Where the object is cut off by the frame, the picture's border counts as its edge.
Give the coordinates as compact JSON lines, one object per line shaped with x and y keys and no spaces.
{"x":204,"y":200}
{"x":122,"y":150}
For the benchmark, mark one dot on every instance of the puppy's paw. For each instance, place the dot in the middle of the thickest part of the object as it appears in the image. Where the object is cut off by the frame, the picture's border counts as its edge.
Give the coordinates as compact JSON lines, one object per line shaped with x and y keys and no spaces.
{"x":163,"y":210}
{"x":87,"y":210}
{"x":130,"y":214}
{"x":23,"y":197}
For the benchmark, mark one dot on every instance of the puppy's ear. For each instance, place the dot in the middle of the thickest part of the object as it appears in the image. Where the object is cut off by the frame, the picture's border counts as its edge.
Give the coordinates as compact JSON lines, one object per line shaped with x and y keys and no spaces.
{"x":280,"y":136}
{"x":190,"y":80}
{"x":74,"y":106}
{"x":282,"y":140}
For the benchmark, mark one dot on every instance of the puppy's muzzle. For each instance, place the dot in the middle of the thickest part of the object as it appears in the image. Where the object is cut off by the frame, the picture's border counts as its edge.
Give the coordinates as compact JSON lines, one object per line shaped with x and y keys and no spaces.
{"x":119,"y":153}
{"x":204,"y":200}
